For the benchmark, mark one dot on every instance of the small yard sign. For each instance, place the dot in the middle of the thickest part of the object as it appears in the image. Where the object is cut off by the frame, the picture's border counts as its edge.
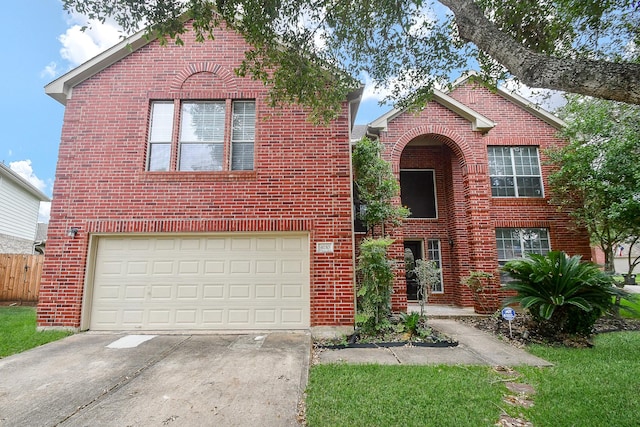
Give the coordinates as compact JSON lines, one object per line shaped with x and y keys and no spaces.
{"x":509,"y":314}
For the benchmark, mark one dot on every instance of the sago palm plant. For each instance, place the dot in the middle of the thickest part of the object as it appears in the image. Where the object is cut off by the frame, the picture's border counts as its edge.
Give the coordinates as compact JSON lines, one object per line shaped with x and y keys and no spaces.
{"x":562,"y":294}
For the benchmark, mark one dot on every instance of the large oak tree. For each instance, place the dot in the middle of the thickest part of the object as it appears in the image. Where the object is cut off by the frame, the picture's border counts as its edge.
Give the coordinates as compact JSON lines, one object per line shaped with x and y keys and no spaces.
{"x":590,"y":47}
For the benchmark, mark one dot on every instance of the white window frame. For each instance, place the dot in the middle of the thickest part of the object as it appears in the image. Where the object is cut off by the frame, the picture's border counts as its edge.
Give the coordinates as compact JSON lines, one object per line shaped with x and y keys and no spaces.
{"x":243,"y":137}
{"x":434,"y":253}
{"x":177,"y":139}
{"x":514,"y":176}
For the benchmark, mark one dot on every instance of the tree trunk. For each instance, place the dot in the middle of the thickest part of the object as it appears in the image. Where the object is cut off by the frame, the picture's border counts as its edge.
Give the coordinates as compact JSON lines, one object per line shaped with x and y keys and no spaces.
{"x":600,"y":79}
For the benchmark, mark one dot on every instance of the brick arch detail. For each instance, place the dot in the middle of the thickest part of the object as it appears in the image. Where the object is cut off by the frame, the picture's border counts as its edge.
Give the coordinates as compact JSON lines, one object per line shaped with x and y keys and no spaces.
{"x":457,"y":143}
{"x":225,"y":75}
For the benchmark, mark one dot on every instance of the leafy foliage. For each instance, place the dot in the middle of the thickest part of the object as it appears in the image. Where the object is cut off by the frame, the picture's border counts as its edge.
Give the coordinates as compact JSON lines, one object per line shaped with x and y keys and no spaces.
{"x":563,"y":294}
{"x":377,"y":186}
{"x":597,"y":177}
{"x":374,"y":290}
{"x":407,"y":46}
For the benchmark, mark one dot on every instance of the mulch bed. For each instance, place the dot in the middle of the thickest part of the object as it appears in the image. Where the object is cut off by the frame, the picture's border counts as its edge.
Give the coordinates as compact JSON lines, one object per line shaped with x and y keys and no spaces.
{"x":522,"y":332}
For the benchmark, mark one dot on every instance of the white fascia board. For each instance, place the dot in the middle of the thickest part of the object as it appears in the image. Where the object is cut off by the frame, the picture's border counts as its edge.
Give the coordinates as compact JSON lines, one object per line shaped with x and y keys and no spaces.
{"x":62,"y":88}
{"x":521,"y":101}
{"x":478,"y":121}
{"x":7,"y":173}
{"x":532,"y":108}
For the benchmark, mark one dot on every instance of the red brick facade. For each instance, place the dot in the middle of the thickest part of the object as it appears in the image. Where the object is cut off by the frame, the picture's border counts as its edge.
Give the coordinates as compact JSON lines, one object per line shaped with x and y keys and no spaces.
{"x":301,"y":179}
{"x":467,"y":213}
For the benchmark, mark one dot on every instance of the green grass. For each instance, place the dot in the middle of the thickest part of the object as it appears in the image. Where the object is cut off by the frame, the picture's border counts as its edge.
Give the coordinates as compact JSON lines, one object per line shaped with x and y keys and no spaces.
{"x":599,"y":386}
{"x":18,"y":331}
{"x":634,"y":304}
{"x":378,"y":395}
{"x":588,"y":387}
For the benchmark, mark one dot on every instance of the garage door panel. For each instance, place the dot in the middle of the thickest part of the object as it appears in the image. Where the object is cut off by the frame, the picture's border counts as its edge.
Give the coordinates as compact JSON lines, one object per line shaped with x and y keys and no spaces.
{"x":259,"y":283}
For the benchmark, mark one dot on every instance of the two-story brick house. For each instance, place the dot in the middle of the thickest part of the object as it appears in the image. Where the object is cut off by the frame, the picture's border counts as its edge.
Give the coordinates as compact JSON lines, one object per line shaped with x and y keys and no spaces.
{"x":183,"y":200}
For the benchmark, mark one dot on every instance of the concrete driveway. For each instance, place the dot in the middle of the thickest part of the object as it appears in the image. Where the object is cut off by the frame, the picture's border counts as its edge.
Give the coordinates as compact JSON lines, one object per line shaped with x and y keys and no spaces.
{"x":137,"y":380}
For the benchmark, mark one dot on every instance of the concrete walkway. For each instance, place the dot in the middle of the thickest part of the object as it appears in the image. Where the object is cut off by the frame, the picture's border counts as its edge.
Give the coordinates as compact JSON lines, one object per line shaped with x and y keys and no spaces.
{"x":475,"y":348}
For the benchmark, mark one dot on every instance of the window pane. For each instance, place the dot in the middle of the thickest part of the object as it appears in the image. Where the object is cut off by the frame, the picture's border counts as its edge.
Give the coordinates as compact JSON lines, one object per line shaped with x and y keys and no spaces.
{"x":417,"y":191}
{"x":500,"y":161}
{"x":515,"y":172}
{"x":529,"y":187}
{"x":201,"y":157}
{"x":159,"y":156}
{"x":242,"y":156}
{"x":202,"y":122}
{"x":244,"y":119}
{"x":526,"y":160}
{"x":433,"y":253}
{"x":502,"y":187}
{"x":243,"y":135}
{"x":161,"y":122}
{"x":513,"y":243}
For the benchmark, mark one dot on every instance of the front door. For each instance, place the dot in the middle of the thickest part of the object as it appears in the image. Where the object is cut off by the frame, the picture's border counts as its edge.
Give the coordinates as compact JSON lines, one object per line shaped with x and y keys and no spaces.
{"x":412,"y":252}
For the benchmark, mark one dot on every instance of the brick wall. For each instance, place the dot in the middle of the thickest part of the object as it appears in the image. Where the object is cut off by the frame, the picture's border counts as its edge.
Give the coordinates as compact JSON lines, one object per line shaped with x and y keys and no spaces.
{"x":300,"y":182}
{"x":467,"y":214}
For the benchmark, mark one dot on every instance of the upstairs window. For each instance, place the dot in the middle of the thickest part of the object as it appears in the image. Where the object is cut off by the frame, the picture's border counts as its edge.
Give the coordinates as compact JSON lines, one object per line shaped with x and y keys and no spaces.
{"x":515,"y":172}
{"x":160,"y":136}
{"x":243,"y":135}
{"x":418,"y":193}
{"x":202,"y":136}
{"x":207,"y":137}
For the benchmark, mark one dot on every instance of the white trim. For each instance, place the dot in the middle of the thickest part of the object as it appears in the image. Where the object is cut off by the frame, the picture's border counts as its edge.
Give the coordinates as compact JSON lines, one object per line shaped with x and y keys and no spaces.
{"x":478,"y":121}
{"x":520,"y":101}
{"x":6,"y":172}
{"x":61,"y":89}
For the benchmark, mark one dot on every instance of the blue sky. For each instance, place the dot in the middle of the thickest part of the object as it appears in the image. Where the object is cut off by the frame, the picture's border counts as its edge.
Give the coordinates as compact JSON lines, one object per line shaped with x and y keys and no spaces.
{"x":44,"y":43}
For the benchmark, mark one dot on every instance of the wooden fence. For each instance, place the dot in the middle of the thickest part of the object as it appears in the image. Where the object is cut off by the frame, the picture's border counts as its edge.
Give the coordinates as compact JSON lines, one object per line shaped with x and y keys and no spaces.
{"x":20,"y":277}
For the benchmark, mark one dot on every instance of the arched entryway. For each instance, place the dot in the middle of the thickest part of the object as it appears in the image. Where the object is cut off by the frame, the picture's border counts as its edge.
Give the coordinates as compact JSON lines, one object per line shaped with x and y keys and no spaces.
{"x":430,"y":169}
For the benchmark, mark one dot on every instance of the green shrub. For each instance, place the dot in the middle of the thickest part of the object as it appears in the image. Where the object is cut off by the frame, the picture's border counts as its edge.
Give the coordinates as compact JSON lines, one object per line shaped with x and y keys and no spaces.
{"x":562,"y":294}
{"x":374,"y":290}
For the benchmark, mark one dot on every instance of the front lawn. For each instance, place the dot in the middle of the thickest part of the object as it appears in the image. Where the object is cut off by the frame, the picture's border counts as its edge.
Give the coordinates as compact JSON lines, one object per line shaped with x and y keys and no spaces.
{"x":599,"y":386}
{"x":586,"y":387}
{"x":379,"y":395}
{"x":18,"y":331}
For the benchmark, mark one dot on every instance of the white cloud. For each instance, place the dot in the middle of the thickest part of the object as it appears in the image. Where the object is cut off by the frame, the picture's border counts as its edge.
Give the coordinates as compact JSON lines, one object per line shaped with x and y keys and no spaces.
{"x":25,"y":170}
{"x":372,"y":91}
{"x":50,"y":71}
{"x":79,"y":46}
{"x":45,"y":212}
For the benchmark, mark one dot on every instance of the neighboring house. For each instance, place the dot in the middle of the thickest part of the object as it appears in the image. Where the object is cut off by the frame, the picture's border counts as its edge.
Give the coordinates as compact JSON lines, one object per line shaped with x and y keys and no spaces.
{"x":183,"y":201}
{"x":472,"y":169}
{"x":19,"y":206}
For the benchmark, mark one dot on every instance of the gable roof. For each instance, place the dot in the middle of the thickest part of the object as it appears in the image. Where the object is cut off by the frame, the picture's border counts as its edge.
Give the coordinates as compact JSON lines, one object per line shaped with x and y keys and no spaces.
{"x":478,"y":121}
{"x":520,"y":101}
{"x":61,"y":88}
{"x":25,"y":185}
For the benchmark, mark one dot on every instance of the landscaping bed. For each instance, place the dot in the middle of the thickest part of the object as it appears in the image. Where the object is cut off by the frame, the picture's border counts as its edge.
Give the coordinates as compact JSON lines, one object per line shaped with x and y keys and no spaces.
{"x":523,"y":332}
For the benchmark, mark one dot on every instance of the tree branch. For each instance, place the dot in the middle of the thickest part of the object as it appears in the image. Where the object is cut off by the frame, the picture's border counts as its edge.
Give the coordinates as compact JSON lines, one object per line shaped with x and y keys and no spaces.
{"x":601,"y":79}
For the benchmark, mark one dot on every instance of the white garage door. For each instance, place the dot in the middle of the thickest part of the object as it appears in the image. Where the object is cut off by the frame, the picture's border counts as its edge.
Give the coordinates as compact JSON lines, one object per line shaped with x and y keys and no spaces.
{"x":231,"y":281}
